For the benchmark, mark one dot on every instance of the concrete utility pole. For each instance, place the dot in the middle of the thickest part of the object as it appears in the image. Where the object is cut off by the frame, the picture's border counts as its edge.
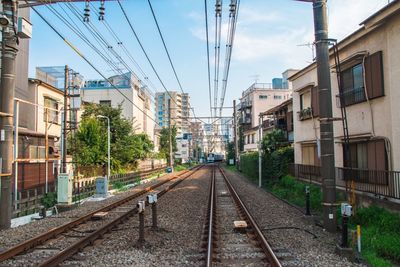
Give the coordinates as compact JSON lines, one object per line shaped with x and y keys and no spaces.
{"x":171,"y":160}
{"x":260,"y":136}
{"x":9,"y":53}
{"x":64,"y":141}
{"x":235,"y":138}
{"x":325,"y":111}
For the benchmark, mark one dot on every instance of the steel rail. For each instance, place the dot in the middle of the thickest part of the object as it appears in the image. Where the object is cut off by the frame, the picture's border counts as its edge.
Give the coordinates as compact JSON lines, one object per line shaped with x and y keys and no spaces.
{"x":210,"y":239}
{"x":273,"y":260}
{"x":89,"y":240}
{"x":40,"y":239}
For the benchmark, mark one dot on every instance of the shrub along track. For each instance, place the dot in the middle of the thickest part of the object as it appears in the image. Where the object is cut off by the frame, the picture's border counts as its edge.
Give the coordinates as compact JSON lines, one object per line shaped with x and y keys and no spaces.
{"x":84,"y":227}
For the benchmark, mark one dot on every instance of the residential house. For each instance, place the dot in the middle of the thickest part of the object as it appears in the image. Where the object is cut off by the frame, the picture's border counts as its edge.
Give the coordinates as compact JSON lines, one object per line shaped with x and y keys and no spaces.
{"x":368,"y":97}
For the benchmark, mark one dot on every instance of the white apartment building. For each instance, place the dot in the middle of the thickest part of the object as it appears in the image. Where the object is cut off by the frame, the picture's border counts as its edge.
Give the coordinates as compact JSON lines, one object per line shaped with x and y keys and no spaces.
{"x":128,"y":92}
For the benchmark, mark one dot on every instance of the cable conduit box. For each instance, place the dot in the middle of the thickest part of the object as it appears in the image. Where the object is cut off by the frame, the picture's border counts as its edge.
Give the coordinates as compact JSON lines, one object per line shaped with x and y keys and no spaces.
{"x":64,"y":188}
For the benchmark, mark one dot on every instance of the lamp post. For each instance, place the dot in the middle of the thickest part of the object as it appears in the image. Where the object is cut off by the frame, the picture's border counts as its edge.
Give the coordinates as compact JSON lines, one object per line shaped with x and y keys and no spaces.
{"x":108,"y":149}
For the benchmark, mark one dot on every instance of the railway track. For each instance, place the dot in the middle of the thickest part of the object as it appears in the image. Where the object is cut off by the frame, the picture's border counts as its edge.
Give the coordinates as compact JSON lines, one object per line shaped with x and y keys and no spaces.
{"x":233,"y":236}
{"x":59,"y":244}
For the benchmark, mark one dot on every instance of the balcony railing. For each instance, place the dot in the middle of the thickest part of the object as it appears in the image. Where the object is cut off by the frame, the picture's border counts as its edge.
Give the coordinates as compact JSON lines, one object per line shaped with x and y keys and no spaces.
{"x":351,"y":96}
{"x":305,"y":114}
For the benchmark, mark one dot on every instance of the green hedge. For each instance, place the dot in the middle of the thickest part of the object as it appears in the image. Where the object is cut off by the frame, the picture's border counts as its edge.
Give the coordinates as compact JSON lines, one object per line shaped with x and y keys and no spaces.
{"x":249,"y":165}
{"x":275,"y":165}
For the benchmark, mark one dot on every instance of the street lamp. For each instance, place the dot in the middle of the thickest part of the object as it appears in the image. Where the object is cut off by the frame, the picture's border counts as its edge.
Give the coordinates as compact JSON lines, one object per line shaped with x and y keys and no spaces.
{"x":108,"y":150}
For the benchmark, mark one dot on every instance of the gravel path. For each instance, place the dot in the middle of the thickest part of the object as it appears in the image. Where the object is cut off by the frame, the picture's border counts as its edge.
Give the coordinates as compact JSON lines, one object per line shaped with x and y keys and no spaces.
{"x":272,"y":213}
{"x":181,"y":215}
{"x":13,"y":236}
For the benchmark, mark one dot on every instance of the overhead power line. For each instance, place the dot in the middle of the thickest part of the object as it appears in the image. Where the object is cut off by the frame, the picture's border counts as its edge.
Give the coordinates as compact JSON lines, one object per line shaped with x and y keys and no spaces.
{"x":217,"y":50}
{"x":88,"y":61}
{"x":167,"y":52}
{"x":208,"y":55}
{"x":233,"y":16}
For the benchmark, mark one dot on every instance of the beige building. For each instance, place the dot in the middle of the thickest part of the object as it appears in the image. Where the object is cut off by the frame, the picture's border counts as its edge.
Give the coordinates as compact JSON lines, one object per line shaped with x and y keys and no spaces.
{"x":370,"y":75}
{"x":258,"y":98}
{"x":135,"y":99}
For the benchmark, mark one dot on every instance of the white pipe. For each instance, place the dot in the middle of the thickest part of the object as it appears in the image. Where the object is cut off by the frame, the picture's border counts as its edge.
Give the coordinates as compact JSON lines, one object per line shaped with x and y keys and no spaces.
{"x":16,"y":120}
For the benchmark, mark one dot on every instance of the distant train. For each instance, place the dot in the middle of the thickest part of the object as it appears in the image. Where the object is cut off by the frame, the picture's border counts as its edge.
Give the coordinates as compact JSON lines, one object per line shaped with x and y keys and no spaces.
{"x":214,"y":157}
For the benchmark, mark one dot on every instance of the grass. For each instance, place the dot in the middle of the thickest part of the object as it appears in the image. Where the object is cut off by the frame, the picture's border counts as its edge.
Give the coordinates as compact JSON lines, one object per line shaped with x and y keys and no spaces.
{"x":379,"y":227}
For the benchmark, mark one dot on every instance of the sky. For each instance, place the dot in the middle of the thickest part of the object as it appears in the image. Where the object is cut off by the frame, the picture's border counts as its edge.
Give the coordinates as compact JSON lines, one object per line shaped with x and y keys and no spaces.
{"x":271,"y":36}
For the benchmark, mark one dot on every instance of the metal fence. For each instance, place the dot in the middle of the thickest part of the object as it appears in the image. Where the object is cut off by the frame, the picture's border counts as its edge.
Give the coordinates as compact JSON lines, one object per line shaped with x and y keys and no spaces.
{"x":29,"y":201}
{"x":379,"y":183}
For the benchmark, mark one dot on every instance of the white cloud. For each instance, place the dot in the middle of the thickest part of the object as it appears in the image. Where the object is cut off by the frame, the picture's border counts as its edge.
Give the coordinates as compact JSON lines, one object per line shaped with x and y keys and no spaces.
{"x":345,"y":16}
{"x":275,"y":37}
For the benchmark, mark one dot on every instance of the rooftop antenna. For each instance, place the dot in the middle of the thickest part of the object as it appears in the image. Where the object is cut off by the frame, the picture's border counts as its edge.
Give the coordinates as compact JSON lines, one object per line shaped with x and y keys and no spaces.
{"x":256,"y":77}
{"x":312,"y":47}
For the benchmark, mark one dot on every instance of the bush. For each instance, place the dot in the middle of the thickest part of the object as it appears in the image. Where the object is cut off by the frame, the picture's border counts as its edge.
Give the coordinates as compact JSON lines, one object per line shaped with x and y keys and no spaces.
{"x":49,"y":200}
{"x":249,"y":165}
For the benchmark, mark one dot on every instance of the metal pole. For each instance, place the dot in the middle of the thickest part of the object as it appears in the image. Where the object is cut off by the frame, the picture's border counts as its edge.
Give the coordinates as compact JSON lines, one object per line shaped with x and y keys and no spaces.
{"x":64,"y":135}
{"x":141,"y":228}
{"x":9,"y":53}
{"x":46,"y":147}
{"x":109,"y":154}
{"x":154,"y":214}
{"x":16,"y":120}
{"x":171,"y":160}
{"x":325,"y":110}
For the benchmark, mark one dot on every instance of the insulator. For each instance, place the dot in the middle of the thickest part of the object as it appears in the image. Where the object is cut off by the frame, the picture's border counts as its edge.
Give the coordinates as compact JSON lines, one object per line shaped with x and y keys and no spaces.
{"x":232,"y":6}
{"x":101,"y":10}
{"x":86,"y":15}
{"x":218,"y":7}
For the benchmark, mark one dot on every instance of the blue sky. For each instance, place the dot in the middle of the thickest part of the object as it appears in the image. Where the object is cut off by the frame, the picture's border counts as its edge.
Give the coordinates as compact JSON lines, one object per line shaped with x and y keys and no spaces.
{"x":267,"y":40}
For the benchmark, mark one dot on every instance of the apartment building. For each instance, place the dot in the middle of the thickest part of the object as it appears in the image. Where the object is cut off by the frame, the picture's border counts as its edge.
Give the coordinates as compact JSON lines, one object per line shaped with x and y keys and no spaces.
{"x":258,"y":98}
{"x":180,"y":110}
{"x":280,"y":117}
{"x":369,"y":95}
{"x":127,"y":91}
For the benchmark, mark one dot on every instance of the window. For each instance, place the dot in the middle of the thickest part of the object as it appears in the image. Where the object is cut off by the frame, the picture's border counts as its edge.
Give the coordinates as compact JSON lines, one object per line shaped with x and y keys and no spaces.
{"x":160,"y":113}
{"x":105,"y":103}
{"x":353,"y":87}
{"x":309,"y":154}
{"x":277,"y":97}
{"x":52,"y":112}
{"x":309,"y":104}
{"x":262,"y":96}
{"x":367,"y":155}
{"x":37,"y":152}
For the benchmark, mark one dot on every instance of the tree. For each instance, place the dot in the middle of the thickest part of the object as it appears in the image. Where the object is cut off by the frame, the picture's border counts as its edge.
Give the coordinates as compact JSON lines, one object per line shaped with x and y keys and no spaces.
{"x":273,"y":140}
{"x":89,"y":144}
{"x":164,"y":141}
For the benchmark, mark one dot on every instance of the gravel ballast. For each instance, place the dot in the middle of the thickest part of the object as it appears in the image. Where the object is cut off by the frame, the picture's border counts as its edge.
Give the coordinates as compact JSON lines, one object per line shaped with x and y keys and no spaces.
{"x":177,"y":242}
{"x":273,"y":214}
{"x":13,"y":236}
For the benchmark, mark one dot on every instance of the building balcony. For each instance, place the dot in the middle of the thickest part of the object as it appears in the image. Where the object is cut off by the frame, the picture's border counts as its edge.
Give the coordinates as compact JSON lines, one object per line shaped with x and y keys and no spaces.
{"x":350,"y":97}
{"x":305,"y":114}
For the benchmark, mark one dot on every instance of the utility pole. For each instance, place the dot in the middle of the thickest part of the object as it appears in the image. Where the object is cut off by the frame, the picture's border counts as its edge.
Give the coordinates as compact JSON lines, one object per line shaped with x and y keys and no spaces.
{"x":9,"y":53}
{"x":260,"y":136}
{"x":171,"y":160}
{"x":64,"y":140}
{"x":325,"y":110}
{"x":235,"y":138}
